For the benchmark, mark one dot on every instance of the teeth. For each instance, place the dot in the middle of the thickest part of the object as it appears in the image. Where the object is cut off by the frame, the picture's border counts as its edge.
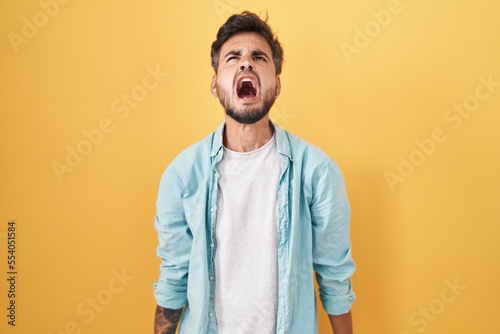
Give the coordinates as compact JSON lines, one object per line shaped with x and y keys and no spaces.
{"x":247,"y":80}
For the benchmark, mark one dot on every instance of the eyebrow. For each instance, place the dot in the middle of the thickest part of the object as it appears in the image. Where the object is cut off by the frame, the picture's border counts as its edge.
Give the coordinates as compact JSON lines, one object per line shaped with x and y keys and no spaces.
{"x":254,"y":53}
{"x":260,"y":53}
{"x":233,"y":53}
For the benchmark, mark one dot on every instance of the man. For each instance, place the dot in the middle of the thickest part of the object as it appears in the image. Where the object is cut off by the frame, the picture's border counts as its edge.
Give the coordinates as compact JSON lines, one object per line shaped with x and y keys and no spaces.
{"x":245,"y":216}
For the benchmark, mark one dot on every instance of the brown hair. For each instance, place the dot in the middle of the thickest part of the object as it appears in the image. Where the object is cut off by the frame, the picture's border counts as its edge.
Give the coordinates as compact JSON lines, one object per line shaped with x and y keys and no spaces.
{"x":247,"y":22}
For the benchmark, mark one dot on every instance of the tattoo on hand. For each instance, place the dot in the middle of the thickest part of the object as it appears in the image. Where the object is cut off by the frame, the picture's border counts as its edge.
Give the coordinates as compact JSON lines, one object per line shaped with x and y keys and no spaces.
{"x":166,"y":320}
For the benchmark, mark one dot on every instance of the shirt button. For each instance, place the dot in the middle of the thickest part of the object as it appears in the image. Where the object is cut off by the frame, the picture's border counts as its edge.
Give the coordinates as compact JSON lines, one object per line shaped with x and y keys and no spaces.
{"x":211,"y":278}
{"x":210,"y":314}
{"x":212,"y":209}
{"x":212,"y":245}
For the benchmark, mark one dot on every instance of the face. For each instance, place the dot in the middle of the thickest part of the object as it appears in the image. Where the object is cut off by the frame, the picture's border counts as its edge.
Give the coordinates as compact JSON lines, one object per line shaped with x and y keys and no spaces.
{"x":246,"y":81}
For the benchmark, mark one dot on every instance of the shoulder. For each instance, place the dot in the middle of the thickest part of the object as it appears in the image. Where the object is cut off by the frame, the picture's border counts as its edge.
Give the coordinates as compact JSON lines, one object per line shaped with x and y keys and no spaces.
{"x":196,"y":151}
{"x":192,"y":160}
{"x":312,"y":162}
{"x":304,"y":152}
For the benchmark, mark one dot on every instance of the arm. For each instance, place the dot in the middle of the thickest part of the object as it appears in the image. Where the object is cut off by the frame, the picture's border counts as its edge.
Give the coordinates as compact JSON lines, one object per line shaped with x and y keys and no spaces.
{"x":166,"y":320}
{"x":333,"y":263}
{"x":341,"y":324}
{"x":173,"y":249}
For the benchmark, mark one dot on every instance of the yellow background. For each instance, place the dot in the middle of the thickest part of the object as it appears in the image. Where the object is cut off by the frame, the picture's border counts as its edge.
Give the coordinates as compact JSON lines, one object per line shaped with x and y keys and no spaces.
{"x":438,"y":225}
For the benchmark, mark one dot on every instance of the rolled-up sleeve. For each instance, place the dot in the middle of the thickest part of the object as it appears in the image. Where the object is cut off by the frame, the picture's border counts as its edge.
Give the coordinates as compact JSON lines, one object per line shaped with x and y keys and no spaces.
{"x":333,"y":262}
{"x":175,"y":242}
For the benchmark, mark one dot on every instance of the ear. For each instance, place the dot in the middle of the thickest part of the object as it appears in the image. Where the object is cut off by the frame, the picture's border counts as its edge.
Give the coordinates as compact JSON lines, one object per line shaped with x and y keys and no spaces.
{"x":213,"y":85}
{"x":278,"y":85}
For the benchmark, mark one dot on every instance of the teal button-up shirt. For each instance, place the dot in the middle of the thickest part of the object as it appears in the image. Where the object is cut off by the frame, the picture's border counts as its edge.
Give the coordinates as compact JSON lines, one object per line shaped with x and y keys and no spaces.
{"x":313,"y":236}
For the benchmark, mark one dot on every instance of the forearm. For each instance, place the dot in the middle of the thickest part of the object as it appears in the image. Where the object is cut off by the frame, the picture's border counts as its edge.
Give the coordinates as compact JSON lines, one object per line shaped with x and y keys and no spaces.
{"x":341,"y":324}
{"x":166,"y":320}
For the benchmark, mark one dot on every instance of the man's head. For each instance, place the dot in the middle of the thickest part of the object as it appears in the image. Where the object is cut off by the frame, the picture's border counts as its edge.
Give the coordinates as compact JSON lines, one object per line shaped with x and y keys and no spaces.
{"x":247,"y":22}
{"x":247,"y":61}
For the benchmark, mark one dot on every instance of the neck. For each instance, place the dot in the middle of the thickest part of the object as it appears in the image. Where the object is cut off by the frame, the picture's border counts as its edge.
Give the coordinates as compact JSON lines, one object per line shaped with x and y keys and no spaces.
{"x":247,"y":137}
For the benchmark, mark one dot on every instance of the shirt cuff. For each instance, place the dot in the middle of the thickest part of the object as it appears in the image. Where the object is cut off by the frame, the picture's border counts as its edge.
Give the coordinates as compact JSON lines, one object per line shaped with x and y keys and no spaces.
{"x":170,"y":296}
{"x":337,"y":305}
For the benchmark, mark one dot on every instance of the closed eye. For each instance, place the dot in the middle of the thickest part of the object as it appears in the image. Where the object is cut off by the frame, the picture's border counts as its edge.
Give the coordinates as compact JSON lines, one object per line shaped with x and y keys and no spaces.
{"x":232,"y":55}
{"x":260,"y":56}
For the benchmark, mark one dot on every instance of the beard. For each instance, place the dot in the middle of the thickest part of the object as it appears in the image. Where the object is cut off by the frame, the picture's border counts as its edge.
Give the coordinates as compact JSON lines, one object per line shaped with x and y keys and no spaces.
{"x":248,"y":115}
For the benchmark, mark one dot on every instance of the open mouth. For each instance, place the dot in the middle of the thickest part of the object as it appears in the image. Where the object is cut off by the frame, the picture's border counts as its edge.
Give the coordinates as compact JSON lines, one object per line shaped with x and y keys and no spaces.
{"x":246,"y":89}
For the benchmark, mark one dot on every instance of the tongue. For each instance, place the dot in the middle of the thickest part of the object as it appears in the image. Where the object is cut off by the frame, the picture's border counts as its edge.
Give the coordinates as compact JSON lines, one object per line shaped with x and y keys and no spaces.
{"x":247,"y":91}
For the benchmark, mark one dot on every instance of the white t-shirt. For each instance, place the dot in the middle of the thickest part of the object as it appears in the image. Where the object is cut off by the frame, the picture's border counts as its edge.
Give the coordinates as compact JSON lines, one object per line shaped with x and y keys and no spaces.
{"x":246,"y":233}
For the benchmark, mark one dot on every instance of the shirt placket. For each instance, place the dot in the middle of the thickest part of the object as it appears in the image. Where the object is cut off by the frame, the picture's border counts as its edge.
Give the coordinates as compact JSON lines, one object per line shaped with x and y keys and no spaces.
{"x":281,"y":321}
{"x":212,"y":323}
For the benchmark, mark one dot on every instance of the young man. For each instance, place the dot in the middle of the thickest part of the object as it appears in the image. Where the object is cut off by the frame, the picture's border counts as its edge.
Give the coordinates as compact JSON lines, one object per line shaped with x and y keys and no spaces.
{"x":245,"y":216}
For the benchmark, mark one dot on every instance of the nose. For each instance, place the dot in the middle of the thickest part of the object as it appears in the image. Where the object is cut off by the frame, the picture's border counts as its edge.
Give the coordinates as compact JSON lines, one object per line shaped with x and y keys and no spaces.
{"x":248,"y":67}
{"x":246,"y":64}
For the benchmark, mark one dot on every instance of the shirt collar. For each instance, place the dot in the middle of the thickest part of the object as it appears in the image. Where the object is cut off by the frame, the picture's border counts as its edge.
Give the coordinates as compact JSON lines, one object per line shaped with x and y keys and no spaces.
{"x":217,"y":140}
{"x":281,"y":140}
